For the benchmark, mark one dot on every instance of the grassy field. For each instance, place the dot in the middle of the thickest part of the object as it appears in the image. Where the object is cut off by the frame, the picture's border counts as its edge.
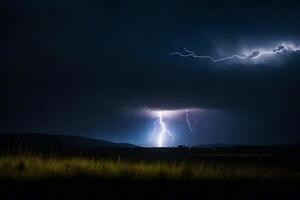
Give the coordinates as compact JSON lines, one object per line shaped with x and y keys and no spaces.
{"x":35,"y":167}
{"x":48,"y":169}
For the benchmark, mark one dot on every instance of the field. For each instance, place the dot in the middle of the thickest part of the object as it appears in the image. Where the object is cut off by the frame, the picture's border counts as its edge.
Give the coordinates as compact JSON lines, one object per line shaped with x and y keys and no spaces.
{"x":208,"y":176}
{"x":36,"y":168}
{"x":50,"y":167}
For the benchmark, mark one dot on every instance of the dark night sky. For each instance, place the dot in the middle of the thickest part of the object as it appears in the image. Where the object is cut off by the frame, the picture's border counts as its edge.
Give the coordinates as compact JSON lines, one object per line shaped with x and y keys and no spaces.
{"x":85,"y":67}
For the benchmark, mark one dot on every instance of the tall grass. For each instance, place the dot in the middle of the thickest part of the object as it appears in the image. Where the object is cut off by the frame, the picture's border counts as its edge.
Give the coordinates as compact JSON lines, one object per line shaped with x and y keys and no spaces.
{"x":34,"y":167}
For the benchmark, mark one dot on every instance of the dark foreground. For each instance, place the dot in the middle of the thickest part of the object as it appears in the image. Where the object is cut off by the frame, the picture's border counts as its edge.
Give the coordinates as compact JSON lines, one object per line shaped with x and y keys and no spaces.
{"x":283,"y":182}
{"x":90,"y":188}
{"x":83,"y":186}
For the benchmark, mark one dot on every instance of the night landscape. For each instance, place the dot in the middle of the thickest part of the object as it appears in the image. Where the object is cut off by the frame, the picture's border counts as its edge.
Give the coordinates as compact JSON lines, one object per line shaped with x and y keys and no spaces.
{"x":150,"y":99}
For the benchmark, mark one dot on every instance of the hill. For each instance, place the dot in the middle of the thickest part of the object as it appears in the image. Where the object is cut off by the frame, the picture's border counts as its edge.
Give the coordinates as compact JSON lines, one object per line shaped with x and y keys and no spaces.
{"x":45,"y":140}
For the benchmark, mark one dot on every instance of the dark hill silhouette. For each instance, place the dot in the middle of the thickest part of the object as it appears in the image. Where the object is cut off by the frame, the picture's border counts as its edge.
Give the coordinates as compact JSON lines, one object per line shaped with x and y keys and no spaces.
{"x":217,"y":145}
{"x":45,"y":140}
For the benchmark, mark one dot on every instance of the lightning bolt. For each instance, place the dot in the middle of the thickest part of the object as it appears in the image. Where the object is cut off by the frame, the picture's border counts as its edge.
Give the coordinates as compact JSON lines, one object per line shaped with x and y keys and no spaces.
{"x":192,"y":54}
{"x":163,"y":130}
{"x":187,"y":119}
{"x":251,"y":56}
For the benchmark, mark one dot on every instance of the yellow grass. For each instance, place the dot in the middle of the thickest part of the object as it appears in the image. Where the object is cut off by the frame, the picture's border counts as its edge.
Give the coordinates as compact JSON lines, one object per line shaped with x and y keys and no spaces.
{"x":33,"y":167}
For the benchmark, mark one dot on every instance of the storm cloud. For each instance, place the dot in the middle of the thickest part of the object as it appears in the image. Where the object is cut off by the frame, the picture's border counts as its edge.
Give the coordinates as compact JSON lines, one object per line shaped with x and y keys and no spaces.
{"x":78,"y":67}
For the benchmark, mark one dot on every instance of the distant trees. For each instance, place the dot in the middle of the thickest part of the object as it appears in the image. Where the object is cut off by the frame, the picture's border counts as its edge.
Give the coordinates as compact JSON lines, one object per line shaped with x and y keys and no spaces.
{"x":182,"y":147}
